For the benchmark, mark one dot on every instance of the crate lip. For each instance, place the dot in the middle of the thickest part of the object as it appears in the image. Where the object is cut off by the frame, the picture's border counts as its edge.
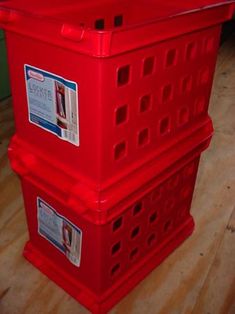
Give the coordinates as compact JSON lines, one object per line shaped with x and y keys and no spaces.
{"x":99,"y":202}
{"x":104,"y":43}
{"x":12,"y":6}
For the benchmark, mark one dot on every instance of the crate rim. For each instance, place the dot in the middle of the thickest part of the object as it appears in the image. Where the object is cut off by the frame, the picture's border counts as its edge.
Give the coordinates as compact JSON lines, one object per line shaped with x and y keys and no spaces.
{"x":99,"y":202}
{"x":108,"y":43}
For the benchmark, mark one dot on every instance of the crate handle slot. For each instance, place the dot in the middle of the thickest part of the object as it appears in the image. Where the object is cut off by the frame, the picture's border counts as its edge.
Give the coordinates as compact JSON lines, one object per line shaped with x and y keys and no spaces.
{"x":72,"y":32}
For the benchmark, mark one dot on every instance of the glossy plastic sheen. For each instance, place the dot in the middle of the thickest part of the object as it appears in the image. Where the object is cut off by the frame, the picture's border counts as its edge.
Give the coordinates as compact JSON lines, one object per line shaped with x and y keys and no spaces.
{"x":128,"y":239}
{"x":142,"y":84}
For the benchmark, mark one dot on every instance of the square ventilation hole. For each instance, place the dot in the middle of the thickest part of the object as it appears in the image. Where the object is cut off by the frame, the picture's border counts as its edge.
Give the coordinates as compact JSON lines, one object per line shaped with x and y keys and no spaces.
{"x":137,"y":208}
{"x":171,"y":57}
{"x":153,"y":217}
{"x":120,"y":151}
{"x":143,"y":137}
{"x":116,"y":248}
{"x":115,"y":269}
{"x":145,"y":103}
{"x":123,"y":75}
{"x":99,"y":24}
{"x":165,"y":126}
{"x":191,"y":51}
{"x":135,"y":232}
{"x":148,"y":66}
{"x":167,"y":93}
{"x":117,"y":224}
{"x":151,"y":239}
{"x":168,"y":226}
{"x":121,"y":115}
{"x":118,"y":20}
{"x":134,"y":253}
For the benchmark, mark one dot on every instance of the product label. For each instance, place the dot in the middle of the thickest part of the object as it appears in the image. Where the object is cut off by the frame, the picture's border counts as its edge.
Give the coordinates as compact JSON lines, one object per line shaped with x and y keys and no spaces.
{"x":59,"y":231}
{"x":53,"y":103}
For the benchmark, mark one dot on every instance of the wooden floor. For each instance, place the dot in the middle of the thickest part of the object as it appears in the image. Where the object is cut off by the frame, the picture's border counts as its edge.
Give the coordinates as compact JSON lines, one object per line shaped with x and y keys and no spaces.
{"x":198,"y":278}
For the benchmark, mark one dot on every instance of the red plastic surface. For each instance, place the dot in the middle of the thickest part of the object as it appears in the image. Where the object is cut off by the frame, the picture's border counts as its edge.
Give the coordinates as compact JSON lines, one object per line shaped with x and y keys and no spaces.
{"x":146,"y":226}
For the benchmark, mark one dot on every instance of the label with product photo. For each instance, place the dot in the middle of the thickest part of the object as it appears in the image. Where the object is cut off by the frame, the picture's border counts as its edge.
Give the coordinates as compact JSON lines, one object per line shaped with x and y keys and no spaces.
{"x":53,"y":103}
{"x":59,"y":231}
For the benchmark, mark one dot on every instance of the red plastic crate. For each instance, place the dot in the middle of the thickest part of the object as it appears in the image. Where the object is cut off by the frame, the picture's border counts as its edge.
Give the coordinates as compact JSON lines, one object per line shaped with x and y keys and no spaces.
{"x":142,"y":74}
{"x":127,"y":230}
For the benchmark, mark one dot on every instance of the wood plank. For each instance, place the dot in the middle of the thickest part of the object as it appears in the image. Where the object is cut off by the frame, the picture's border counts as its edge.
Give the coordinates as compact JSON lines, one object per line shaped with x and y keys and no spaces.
{"x":218,"y":291}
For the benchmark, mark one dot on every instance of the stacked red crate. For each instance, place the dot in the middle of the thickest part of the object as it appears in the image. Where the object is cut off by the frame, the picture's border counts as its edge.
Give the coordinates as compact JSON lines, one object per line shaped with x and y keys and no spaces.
{"x":111,"y":110}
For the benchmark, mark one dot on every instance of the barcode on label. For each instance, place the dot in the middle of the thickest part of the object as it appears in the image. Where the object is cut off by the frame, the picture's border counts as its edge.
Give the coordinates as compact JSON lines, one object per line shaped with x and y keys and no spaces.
{"x":68,"y":135}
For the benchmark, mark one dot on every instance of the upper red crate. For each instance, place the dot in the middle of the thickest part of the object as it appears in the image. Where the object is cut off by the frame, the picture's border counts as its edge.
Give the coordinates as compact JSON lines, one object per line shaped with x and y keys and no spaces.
{"x":121,"y":83}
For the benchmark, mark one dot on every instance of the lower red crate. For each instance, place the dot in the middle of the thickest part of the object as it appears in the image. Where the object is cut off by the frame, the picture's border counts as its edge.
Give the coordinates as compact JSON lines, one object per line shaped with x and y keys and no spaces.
{"x":118,"y":253}
{"x":125,"y":250}
{"x":97,"y":245}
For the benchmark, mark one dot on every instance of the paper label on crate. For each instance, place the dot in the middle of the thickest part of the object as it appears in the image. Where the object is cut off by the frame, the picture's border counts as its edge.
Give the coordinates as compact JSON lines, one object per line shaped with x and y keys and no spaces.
{"x":59,"y":231}
{"x":53,"y":103}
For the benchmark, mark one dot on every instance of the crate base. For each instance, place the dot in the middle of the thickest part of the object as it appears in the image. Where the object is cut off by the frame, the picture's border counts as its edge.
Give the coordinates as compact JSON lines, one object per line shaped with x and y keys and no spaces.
{"x":102,"y":304}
